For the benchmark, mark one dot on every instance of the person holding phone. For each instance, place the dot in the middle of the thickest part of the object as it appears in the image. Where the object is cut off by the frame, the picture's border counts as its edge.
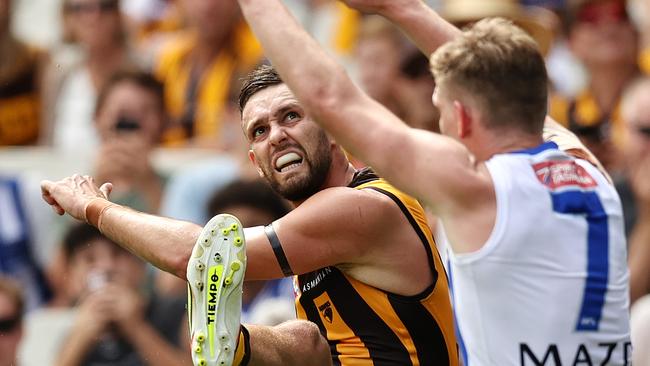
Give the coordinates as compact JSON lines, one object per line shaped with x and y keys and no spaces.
{"x":130,"y":117}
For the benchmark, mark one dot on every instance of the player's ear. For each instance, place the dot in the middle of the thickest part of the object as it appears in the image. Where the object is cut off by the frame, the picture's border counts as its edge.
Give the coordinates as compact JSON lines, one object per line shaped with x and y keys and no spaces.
{"x":253,"y":159}
{"x":463,"y":119}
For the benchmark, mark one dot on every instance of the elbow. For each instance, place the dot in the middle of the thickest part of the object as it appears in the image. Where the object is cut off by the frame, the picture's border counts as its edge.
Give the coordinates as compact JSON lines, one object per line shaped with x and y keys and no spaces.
{"x":179,"y":266}
{"x":181,"y":253}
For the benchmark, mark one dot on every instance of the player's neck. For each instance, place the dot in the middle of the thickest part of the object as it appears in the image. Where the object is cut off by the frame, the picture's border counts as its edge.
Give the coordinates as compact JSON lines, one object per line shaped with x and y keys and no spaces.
{"x":504,"y":143}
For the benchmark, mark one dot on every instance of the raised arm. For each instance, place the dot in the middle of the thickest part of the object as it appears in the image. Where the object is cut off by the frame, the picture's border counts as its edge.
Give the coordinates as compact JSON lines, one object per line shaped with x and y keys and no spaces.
{"x":363,"y":126}
{"x":423,"y":25}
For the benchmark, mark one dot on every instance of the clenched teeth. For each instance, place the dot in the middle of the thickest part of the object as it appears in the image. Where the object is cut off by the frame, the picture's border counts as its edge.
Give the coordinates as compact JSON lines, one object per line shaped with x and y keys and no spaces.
{"x":287,"y":161}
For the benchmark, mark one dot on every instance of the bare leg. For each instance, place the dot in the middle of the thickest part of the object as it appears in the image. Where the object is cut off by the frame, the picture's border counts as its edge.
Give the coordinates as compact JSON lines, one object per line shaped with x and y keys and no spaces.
{"x":296,"y":342}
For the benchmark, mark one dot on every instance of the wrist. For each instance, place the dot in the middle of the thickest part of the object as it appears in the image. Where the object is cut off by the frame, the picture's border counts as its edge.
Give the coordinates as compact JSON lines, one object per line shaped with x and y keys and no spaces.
{"x":95,"y":209}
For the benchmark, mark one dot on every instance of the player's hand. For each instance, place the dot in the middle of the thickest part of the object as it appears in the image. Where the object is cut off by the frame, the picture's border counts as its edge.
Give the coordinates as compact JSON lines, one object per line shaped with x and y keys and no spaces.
{"x":73,"y":194}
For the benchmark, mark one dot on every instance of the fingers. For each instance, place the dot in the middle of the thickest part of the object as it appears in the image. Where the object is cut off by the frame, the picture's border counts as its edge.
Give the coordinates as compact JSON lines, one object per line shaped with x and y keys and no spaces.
{"x":69,"y":194}
{"x":46,"y":187}
{"x":106,"y":189}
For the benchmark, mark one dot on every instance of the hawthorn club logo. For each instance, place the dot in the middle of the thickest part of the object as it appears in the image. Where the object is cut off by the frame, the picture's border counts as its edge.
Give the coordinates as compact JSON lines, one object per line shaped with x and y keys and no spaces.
{"x":326,"y":310}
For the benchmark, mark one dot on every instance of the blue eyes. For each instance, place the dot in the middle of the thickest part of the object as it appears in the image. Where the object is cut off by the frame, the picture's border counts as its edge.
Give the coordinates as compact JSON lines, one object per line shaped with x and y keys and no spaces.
{"x":258,"y":131}
{"x":288,"y":117}
{"x":291,"y":116}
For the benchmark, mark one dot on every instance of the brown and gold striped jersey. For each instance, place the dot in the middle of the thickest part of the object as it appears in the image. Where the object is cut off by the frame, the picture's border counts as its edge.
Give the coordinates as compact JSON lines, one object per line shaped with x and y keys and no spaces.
{"x":368,"y":326}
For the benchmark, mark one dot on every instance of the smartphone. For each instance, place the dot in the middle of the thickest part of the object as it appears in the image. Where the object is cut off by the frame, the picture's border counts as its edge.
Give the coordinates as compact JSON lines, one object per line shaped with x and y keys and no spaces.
{"x":126,"y":124}
{"x":95,"y":280}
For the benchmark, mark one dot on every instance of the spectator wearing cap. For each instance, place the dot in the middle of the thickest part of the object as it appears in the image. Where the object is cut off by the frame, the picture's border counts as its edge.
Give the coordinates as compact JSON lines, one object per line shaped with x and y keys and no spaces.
{"x":539,"y":22}
{"x":605,"y":41}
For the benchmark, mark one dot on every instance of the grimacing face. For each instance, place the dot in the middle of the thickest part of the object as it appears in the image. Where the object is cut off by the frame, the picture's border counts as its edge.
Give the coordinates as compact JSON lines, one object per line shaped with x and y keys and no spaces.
{"x":287,"y":148}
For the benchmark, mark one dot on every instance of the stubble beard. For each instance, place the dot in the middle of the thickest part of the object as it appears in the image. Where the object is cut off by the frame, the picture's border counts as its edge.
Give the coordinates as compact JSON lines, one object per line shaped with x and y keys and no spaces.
{"x":303,"y":186}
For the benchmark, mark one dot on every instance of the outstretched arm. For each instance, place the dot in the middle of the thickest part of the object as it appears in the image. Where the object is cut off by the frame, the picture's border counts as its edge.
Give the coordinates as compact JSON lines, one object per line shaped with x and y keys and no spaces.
{"x":168,"y":243}
{"x":363,"y":126}
{"x":164,"y":242}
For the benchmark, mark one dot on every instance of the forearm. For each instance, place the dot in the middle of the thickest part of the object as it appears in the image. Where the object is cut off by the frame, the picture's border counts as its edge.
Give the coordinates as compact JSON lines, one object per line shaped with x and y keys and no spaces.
{"x":312,"y":75}
{"x":422,"y":25}
{"x":164,"y":242}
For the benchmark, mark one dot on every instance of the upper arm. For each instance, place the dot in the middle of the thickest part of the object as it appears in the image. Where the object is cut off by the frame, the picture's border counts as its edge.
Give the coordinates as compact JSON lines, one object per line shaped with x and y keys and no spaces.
{"x":567,"y":141}
{"x":430,"y":166}
{"x":335,"y":226}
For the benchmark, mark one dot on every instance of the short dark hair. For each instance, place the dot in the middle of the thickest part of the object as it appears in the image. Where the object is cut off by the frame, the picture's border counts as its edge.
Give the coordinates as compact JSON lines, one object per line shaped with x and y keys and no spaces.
{"x":255,"y":194}
{"x":140,"y":78}
{"x":260,"y":78}
{"x":78,"y":236}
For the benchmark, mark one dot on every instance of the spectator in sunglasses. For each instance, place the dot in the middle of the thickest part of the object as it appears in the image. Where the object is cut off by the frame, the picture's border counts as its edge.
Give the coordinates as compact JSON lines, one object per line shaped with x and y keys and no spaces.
{"x":636,"y":114}
{"x":11,"y":315}
{"x":604,"y":40}
{"x":95,"y":33}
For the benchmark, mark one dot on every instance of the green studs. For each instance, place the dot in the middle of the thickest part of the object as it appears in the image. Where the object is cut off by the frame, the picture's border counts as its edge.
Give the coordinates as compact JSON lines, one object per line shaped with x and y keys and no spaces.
{"x":234,"y":226}
{"x":238,"y":241}
{"x":235,"y":266}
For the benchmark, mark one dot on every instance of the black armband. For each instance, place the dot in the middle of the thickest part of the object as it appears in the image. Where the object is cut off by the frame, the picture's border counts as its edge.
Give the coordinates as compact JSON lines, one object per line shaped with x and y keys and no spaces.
{"x":277,"y":250}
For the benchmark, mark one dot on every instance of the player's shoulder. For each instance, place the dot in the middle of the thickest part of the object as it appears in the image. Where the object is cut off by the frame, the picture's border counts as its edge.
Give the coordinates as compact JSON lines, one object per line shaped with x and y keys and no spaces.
{"x":349,"y":198}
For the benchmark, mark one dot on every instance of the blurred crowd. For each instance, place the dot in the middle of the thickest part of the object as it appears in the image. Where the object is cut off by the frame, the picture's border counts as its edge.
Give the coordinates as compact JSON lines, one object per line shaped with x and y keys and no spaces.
{"x":116,"y":82}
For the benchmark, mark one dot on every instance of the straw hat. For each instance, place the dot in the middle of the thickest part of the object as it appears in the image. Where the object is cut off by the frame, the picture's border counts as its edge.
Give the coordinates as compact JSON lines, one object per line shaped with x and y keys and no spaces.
{"x":539,"y":22}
